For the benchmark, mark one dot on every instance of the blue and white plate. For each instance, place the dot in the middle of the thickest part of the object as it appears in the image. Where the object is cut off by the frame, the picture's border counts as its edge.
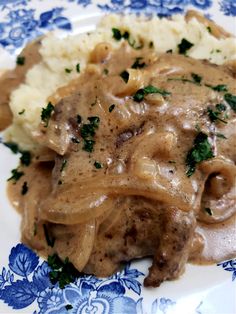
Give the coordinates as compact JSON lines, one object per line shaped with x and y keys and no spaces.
{"x":24,"y":283}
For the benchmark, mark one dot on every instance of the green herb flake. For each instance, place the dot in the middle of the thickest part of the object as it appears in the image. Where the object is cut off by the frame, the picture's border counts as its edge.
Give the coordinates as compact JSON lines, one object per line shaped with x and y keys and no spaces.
{"x":21,"y":112}
{"x":137,"y":64}
{"x":79,"y":119}
{"x":151,"y":44}
{"x":88,"y":145}
{"x":208,"y":211}
{"x":196,"y":78}
{"x":63,"y":165}
{"x":50,"y":240}
{"x":184,"y":46}
{"x":214,"y":115}
{"x":20,"y":60}
{"x":220,"y":135}
{"x":200,"y":151}
{"x":25,"y":158}
{"x":141,"y":93}
{"x":68,"y":307}
{"x":125,"y":76}
{"x":112,"y":107}
{"x":231,"y":100}
{"x":169,"y":51}
{"x":106,"y":71}
{"x":78,"y":67}
{"x":46,"y":113}
{"x":24,"y":188}
{"x":97,"y":165}
{"x":68,"y":70}
{"x":220,"y":107}
{"x":12,"y":146}
{"x":116,"y":34}
{"x":209,"y":29}
{"x":16,"y":175}
{"x":62,"y":272}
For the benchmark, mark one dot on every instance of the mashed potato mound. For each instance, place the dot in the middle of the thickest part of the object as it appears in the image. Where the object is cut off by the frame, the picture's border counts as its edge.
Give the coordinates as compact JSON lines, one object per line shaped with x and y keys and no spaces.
{"x":59,"y":54}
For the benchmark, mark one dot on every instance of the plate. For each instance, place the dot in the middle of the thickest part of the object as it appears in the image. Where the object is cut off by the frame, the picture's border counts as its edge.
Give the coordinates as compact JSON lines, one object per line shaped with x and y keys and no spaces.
{"x":24,"y":282}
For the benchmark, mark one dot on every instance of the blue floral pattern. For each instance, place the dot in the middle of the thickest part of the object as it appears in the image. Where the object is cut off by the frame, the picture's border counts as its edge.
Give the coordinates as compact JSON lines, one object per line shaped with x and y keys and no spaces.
{"x":27,"y":281}
{"x":229,"y":265}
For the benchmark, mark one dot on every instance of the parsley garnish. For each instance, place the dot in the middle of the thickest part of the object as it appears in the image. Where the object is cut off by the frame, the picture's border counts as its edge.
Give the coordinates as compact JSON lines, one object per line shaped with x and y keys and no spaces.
{"x":231,"y":100}
{"x":50,"y":240}
{"x":106,"y":71}
{"x":62,"y":272}
{"x":79,"y":119}
{"x":78,"y":68}
{"x":125,"y":35}
{"x":196,"y":78}
{"x":16,"y":175}
{"x":125,"y":76}
{"x":218,"y":88}
{"x":141,"y":93}
{"x":21,"y":112}
{"x":184,"y":46}
{"x":88,"y":145}
{"x":208,"y":211}
{"x":97,"y":165}
{"x":20,"y":60}
{"x":68,"y":307}
{"x":63,"y":165}
{"x":24,"y":188}
{"x":88,"y":131}
{"x":220,"y":135}
{"x":209,"y":29}
{"x":112,"y":107}
{"x":25,"y":158}
{"x":137,"y":64}
{"x":68,"y":70}
{"x":214,"y":114}
{"x":169,"y":51}
{"x":46,"y":113}
{"x":200,"y":151}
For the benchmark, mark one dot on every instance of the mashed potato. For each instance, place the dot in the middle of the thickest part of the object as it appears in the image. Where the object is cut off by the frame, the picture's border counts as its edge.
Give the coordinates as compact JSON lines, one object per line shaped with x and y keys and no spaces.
{"x":60,"y":54}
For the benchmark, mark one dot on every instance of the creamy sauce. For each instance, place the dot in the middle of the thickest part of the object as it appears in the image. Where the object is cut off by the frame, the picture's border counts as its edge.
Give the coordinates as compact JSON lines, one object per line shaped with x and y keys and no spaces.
{"x":142,"y":147}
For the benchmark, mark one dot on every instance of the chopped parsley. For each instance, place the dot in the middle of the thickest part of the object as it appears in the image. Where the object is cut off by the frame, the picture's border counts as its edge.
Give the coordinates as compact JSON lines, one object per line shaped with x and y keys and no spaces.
{"x":209,"y":29}
{"x":200,"y":151}
{"x":184,"y":46}
{"x":231,"y":100}
{"x":20,"y":60}
{"x":63,"y":165}
{"x":68,"y":307}
{"x":97,"y":165}
{"x":62,"y":272}
{"x":196,"y":78}
{"x":125,"y":76}
{"x":24,"y":188}
{"x":214,"y":115}
{"x":112,"y":107}
{"x":46,"y":113}
{"x":78,"y":67}
{"x":68,"y":70}
{"x":208,"y":211}
{"x":218,"y":88}
{"x":25,"y":158}
{"x":21,"y":112}
{"x":16,"y":175}
{"x":88,"y":145}
{"x":141,"y":93}
{"x":220,"y":135}
{"x":50,"y":240}
{"x":169,"y":51}
{"x":106,"y":71}
{"x":125,"y":35}
{"x":137,"y":64}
